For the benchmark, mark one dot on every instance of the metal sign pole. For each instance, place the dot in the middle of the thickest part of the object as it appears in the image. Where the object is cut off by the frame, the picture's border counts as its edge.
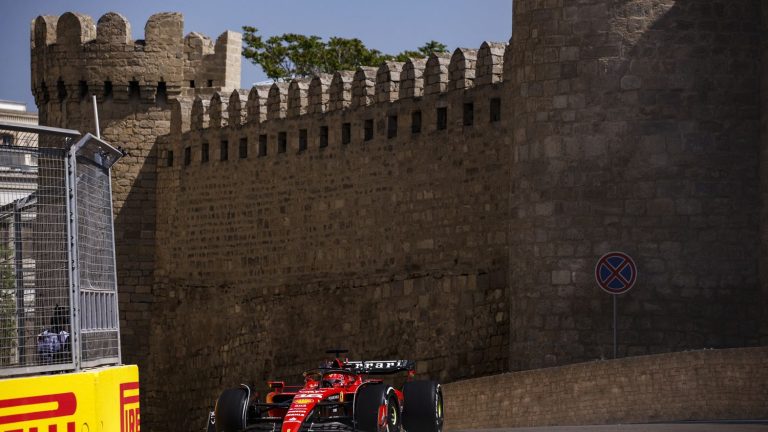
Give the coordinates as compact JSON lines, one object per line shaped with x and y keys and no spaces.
{"x":615,"y":326}
{"x":616,"y":273}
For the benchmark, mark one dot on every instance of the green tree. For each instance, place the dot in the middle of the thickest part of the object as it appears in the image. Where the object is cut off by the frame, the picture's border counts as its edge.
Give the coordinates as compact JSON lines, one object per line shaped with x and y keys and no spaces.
{"x":422,"y":51}
{"x":293,"y":55}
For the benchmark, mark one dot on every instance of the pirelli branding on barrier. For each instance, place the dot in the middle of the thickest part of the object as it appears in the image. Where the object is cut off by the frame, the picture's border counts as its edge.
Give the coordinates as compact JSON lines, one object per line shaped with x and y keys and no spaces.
{"x":46,"y":410}
{"x":101,"y":400}
{"x":129,"y":407}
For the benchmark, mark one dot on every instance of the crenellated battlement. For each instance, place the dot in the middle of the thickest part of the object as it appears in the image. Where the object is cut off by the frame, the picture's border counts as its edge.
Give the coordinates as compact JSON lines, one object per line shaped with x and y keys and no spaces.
{"x":352,"y":92}
{"x":340,"y":92}
{"x":319,"y":93}
{"x":74,"y":58}
{"x":436,"y":73}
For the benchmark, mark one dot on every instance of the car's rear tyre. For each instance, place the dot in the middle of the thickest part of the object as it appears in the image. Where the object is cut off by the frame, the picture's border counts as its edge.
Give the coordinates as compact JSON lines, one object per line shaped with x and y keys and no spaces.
{"x":231,"y":410}
{"x":422,"y":406}
{"x":376,"y":409}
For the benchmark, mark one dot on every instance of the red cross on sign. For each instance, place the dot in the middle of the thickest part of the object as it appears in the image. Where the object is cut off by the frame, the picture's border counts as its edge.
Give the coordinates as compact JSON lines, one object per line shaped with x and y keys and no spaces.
{"x":616,"y":272}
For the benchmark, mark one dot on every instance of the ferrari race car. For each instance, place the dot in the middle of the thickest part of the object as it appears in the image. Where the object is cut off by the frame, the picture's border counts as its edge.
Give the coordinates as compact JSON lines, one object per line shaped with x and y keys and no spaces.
{"x":341,"y":395}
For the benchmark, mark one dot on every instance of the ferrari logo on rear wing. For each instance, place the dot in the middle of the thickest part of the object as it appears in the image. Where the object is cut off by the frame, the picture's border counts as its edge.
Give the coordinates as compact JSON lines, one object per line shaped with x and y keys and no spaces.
{"x":381,"y":367}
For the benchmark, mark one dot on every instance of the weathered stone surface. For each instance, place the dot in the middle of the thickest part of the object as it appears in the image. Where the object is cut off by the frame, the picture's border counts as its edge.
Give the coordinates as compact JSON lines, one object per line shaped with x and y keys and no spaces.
{"x":412,"y":78}
{"x":388,"y":81}
{"x":364,"y":87}
{"x":449,"y":211}
{"x":436,"y":73}
{"x":218,"y":112}
{"x":238,"y":111}
{"x":298,"y":97}
{"x":319,"y":93}
{"x":409,"y":242}
{"x":623,"y":141}
{"x":341,"y":90}
{"x":490,"y":63}
{"x":277,"y":101}
{"x":708,"y":384}
{"x":461,"y":70}
{"x":257,"y":104}
{"x":113,"y":28}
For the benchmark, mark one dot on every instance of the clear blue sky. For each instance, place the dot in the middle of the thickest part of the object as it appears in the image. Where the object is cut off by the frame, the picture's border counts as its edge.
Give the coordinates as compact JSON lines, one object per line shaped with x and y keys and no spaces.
{"x":391,"y":26}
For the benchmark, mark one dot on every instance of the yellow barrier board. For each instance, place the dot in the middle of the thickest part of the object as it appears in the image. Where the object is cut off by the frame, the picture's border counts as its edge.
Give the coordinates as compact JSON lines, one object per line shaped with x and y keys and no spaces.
{"x":98,"y":400}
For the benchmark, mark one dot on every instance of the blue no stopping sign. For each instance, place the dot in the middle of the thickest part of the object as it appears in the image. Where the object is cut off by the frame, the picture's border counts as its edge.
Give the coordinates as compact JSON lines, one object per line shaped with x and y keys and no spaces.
{"x":616,"y":272}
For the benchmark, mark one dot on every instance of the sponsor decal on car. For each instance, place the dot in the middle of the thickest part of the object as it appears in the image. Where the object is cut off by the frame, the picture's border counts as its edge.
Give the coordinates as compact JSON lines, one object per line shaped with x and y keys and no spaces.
{"x":302,"y":401}
{"x":379,"y":364}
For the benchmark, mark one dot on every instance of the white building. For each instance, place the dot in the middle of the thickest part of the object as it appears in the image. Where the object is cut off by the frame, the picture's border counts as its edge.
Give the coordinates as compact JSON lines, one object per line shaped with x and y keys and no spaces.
{"x":16,"y":112}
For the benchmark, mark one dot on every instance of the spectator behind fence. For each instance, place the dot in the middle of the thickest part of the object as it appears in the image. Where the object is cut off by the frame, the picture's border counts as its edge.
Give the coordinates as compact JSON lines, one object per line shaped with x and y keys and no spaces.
{"x":53,"y":344}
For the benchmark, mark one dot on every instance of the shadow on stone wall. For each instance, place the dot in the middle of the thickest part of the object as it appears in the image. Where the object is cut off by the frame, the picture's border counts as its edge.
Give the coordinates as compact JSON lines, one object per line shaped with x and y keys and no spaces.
{"x":764,"y":176}
{"x":218,"y":337}
{"x":135,"y":249}
{"x":637,"y":129}
{"x":390,"y":247}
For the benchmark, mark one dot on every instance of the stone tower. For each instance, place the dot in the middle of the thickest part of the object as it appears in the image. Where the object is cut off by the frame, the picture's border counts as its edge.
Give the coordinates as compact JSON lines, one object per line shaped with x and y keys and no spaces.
{"x":636,"y":127}
{"x":134,"y":82}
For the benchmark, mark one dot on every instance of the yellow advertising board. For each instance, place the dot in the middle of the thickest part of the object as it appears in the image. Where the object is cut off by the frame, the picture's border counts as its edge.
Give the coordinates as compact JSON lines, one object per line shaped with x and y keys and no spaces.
{"x":98,"y":400}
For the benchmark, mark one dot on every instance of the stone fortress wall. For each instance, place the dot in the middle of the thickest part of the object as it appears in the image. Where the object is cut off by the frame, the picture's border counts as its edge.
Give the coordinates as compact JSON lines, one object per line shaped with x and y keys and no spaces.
{"x":134,"y":83}
{"x":448,"y":209}
{"x":390,"y":244}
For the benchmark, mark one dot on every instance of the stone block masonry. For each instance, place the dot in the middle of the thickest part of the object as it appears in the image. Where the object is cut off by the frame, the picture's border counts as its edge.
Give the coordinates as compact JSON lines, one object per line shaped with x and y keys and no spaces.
{"x":636,"y":127}
{"x":392,"y":244}
{"x":697,"y":385}
{"x":448,"y":209}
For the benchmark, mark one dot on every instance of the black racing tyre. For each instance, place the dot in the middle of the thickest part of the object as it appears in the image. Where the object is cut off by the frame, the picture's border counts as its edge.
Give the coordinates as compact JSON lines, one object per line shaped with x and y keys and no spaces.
{"x":422,"y":406}
{"x":231,"y":410}
{"x":376,"y":409}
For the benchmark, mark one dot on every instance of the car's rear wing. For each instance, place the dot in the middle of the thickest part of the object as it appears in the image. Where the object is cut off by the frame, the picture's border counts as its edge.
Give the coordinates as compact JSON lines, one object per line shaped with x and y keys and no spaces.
{"x":381,"y":367}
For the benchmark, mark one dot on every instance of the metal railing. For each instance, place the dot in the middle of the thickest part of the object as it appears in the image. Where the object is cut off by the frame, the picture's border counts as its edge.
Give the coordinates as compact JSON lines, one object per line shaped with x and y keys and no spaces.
{"x":58,"y":289}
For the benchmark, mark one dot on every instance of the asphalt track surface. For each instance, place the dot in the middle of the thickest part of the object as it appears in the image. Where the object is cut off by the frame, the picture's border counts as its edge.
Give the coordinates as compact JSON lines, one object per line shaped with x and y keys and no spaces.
{"x":751,"y":426}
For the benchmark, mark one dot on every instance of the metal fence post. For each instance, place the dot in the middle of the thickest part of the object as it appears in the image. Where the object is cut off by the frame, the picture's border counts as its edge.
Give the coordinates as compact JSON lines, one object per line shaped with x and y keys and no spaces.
{"x":74,"y":270}
{"x":18,"y":267}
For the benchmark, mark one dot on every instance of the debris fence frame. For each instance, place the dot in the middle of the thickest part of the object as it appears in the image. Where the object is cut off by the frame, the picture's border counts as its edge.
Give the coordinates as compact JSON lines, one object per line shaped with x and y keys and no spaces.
{"x":58,"y":282}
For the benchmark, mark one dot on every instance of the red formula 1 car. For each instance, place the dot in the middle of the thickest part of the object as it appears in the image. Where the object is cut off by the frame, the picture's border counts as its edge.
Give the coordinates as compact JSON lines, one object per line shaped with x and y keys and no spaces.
{"x":341,"y":395}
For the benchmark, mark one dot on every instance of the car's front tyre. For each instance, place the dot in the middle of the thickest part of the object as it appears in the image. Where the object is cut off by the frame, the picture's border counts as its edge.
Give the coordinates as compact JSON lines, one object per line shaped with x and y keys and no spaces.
{"x":231,"y":409}
{"x":376,"y":409}
{"x":422,"y":406}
